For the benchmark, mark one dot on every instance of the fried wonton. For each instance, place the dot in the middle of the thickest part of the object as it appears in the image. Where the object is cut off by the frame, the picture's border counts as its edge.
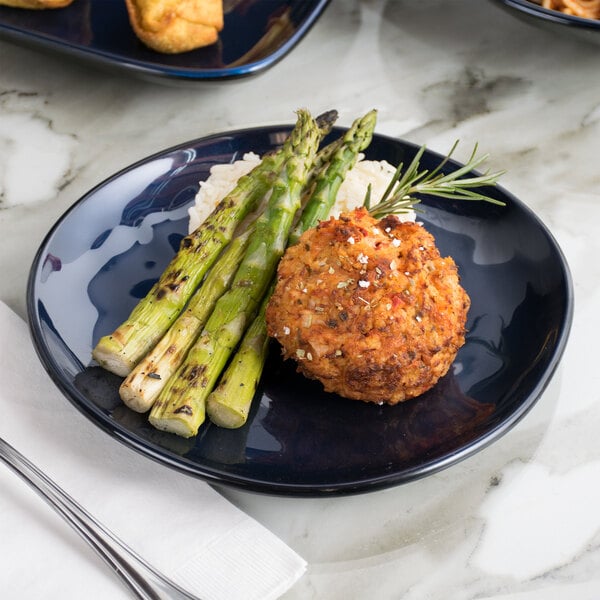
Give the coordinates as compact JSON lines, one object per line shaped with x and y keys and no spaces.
{"x":173,"y":26}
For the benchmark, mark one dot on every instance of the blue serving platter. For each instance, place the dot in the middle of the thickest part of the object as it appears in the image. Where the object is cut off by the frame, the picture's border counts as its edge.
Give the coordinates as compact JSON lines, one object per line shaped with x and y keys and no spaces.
{"x":109,"y":248}
{"x":256,"y":35}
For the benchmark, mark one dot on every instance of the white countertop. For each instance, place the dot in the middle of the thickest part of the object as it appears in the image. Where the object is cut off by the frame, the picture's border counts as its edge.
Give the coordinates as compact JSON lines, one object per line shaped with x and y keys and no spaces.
{"x":520,"y":519}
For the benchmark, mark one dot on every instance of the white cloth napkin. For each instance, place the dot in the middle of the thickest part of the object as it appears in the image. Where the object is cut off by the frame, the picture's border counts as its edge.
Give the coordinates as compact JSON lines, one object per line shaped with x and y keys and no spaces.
{"x":178,"y":523}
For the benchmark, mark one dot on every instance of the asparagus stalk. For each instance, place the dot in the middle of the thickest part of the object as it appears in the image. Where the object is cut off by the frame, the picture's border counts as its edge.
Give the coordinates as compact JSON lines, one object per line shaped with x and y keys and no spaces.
{"x":180,"y":407}
{"x":229,"y":404}
{"x":121,"y":350}
{"x":141,"y":387}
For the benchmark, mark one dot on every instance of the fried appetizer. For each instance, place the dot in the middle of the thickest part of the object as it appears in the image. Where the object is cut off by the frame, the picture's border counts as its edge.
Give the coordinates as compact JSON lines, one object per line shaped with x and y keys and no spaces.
{"x":36,"y":4}
{"x":173,"y":26}
{"x":369,"y":308}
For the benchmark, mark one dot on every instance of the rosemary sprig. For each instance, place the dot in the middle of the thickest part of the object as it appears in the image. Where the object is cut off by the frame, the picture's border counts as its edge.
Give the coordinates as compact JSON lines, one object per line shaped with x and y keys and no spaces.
{"x":403,"y":190}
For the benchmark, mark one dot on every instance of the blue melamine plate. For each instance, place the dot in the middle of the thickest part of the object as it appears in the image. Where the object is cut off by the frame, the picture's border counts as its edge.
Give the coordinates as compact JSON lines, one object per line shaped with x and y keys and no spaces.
{"x":109,"y":248}
{"x":257,"y":34}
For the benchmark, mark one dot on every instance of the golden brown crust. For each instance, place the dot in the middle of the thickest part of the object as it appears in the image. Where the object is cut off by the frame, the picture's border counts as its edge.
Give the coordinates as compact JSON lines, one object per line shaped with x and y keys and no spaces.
{"x":36,"y":4}
{"x":369,"y":308}
{"x":173,"y":26}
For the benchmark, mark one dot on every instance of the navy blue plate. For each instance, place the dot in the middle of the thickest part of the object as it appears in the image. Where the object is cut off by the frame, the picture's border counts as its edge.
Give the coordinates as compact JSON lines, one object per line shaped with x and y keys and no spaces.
{"x":109,"y":248}
{"x":553,"y":21}
{"x":257,"y":34}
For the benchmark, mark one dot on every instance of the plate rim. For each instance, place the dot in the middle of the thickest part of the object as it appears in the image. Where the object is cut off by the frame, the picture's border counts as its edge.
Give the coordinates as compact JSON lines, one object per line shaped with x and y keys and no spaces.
{"x":214,"y":476}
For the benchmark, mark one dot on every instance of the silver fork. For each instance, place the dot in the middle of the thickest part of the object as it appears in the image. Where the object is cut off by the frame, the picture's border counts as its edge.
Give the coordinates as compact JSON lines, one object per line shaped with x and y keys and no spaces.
{"x":142,"y":579}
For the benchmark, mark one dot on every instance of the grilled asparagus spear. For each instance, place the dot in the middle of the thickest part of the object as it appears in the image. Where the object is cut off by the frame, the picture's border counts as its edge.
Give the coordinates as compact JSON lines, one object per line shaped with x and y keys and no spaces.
{"x":229,"y":404}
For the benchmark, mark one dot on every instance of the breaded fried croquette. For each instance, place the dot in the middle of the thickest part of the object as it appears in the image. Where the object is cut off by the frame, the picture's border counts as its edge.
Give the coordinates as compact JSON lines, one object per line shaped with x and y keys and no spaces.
{"x":369,"y":308}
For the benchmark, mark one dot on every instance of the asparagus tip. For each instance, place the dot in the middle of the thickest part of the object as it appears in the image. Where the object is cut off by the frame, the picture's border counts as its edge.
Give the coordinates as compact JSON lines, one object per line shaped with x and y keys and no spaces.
{"x":326,"y":120}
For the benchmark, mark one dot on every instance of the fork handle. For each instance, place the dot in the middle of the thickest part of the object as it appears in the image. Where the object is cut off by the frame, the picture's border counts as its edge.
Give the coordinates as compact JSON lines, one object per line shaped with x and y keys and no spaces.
{"x":145,"y":582}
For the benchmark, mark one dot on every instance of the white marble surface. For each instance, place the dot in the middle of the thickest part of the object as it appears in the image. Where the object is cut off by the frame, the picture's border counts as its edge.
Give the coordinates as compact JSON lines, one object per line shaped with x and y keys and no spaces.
{"x":519,"y":520}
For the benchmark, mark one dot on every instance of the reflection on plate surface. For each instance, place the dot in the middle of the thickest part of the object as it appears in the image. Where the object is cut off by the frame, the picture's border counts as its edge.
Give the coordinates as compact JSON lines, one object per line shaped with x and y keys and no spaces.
{"x":257,"y":34}
{"x":106,"y":252}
